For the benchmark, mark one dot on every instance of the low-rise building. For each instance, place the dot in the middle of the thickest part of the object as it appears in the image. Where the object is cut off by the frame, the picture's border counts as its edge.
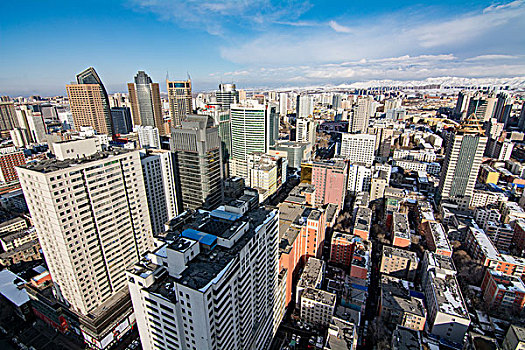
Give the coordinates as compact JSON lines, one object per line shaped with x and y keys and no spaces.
{"x":515,"y":338}
{"x":341,"y":335}
{"x":12,"y":225}
{"x":399,"y":263}
{"x":12,"y":290}
{"x":363,"y":222}
{"x":503,"y":292}
{"x":317,"y":306}
{"x":406,"y":339}
{"x":400,"y":231}
{"x":311,"y":277}
{"x":10,"y":241}
{"x":398,"y":307}
{"x":361,"y":259}
{"x":436,"y":238}
{"x":447,"y":314}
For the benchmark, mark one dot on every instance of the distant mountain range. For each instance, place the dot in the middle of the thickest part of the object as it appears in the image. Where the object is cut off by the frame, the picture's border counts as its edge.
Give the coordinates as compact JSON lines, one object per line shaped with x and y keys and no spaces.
{"x":450,"y":82}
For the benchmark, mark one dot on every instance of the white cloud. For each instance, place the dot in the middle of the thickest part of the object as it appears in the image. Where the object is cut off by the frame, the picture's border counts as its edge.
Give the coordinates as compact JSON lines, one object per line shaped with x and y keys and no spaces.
{"x":339,"y":28}
{"x":492,"y":57}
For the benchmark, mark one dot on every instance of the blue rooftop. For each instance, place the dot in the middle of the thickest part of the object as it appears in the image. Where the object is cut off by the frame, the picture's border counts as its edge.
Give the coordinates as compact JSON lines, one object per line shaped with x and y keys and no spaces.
{"x":221,"y":214}
{"x":201,"y":237}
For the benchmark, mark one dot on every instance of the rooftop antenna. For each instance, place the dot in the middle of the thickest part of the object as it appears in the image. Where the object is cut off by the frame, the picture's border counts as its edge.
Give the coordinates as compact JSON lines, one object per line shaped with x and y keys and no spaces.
{"x":167,"y":75}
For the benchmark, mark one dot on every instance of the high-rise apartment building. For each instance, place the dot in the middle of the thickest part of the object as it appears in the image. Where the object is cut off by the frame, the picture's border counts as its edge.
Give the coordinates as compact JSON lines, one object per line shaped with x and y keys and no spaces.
{"x":330,"y":181}
{"x":198,"y":162}
{"x":148,"y":137}
{"x":92,"y":222}
{"x":305,"y":131}
{"x":215,"y":286}
{"x":89,"y":102}
{"x":253,"y":128}
{"x":464,"y":153}
{"x":144,"y":96}
{"x":8,"y":120}
{"x":361,"y":115}
{"x":304,"y":106}
{"x":179,"y":100}
{"x":358,"y":148}
{"x":227,"y":95}
{"x":153,"y":182}
{"x":283,"y":104}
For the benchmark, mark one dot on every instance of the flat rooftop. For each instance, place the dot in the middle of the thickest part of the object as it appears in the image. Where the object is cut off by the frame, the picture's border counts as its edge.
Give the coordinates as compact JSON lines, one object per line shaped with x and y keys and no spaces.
{"x":406,"y":339}
{"x":312,"y":273}
{"x":440,"y":236}
{"x":390,"y":251}
{"x":440,"y":261}
{"x":319,"y":296}
{"x":340,"y":335}
{"x":400,"y":226}
{"x":448,"y":296}
{"x":51,"y":165}
{"x":363,"y":219}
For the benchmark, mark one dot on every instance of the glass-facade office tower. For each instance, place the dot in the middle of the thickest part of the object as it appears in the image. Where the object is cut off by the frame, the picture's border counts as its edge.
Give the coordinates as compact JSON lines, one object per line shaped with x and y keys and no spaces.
{"x":121,"y":118}
{"x":198,"y":163}
{"x":89,"y":102}
{"x":179,"y":99}
{"x":146,"y":107}
{"x":254,"y":128}
{"x":227,"y":95}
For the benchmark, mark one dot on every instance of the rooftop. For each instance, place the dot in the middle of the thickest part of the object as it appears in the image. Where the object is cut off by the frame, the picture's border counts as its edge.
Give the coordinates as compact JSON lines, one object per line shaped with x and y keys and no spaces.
{"x":11,"y":287}
{"x":406,"y":339}
{"x":440,"y":261}
{"x":340,"y":335}
{"x":319,"y":296}
{"x":448,"y":296}
{"x":51,"y":165}
{"x":390,"y":251}
{"x":519,"y":331}
{"x":440,"y":236}
{"x":363,"y":219}
{"x":312,"y":273}
{"x":400,"y":225}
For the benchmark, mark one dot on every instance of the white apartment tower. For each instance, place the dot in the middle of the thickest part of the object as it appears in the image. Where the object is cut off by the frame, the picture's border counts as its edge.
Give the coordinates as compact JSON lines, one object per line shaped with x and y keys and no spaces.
{"x":305,"y":131}
{"x":215,"y":286}
{"x":304,"y":106}
{"x":358,"y":148}
{"x":361,"y":115}
{"x":92,"y":222}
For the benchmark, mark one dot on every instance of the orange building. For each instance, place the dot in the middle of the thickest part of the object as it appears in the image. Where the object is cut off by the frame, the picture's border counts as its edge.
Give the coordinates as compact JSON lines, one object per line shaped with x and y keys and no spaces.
{"x":504,"y":292}
{"x":302,"y":234}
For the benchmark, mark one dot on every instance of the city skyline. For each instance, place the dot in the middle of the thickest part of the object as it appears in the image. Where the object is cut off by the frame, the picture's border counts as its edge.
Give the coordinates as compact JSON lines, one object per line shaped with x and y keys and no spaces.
{"x":257,"y":43}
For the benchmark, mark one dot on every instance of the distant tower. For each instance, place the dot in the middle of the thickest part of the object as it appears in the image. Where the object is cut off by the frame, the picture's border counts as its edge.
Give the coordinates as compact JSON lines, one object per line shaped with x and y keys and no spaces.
{"x":361,"y":116}
{"x":198,"y":162}
{"x":89,"y":102}
{"x":305,"y":106}
{"x":179,"y":98}
{"x":144,"y":96}
{"x":462,"y":161}
{"x":227,"y":95}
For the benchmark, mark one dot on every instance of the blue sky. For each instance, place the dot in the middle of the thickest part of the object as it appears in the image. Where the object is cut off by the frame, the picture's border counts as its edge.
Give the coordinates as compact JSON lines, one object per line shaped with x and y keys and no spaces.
{"x":256,"y":43}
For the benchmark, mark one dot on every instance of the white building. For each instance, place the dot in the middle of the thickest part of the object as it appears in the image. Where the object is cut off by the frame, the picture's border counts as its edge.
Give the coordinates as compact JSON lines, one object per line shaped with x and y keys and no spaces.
{"x":361,"y":115}
{"x":305,"y":131}
{"x":76,"y":149}
{"x":359,"y":177}
{"x":92,"y":221}
{"x":304,"y":106}
{"x":448,"y":316}
{"x":317,"y":306}
{"x":358,"y":148}
{"x":266,"y":174}
{"x":148,"y":136}
{"x":155,"y":194}
{"x":215,"y":286}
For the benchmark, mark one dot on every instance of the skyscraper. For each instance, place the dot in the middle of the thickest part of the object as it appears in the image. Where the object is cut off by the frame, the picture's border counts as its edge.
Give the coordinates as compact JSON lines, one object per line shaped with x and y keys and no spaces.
{"x":252,"y":130}
{"x":305,"y":131}
{"x":198,"y":162}
{"x":464,"y":153}
{"x":361,"y":115}
{"x":146,"y":107}
{"x":358,"y":148}
{"x":179,"y":98}
{"x":148,"y":137}
{"x":92,"y":222}
{"x":121,"y":119}
{"x":8,"y":120}
{"x":227,"y":95}
{"x":215,"y":286}
{"x":156,"y":196}
{"x":304,"y":106}
{"x":89,"y":102}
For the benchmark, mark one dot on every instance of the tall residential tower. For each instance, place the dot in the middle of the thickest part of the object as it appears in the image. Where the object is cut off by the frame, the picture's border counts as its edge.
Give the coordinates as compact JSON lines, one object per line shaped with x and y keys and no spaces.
{"x":179,"y":98}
